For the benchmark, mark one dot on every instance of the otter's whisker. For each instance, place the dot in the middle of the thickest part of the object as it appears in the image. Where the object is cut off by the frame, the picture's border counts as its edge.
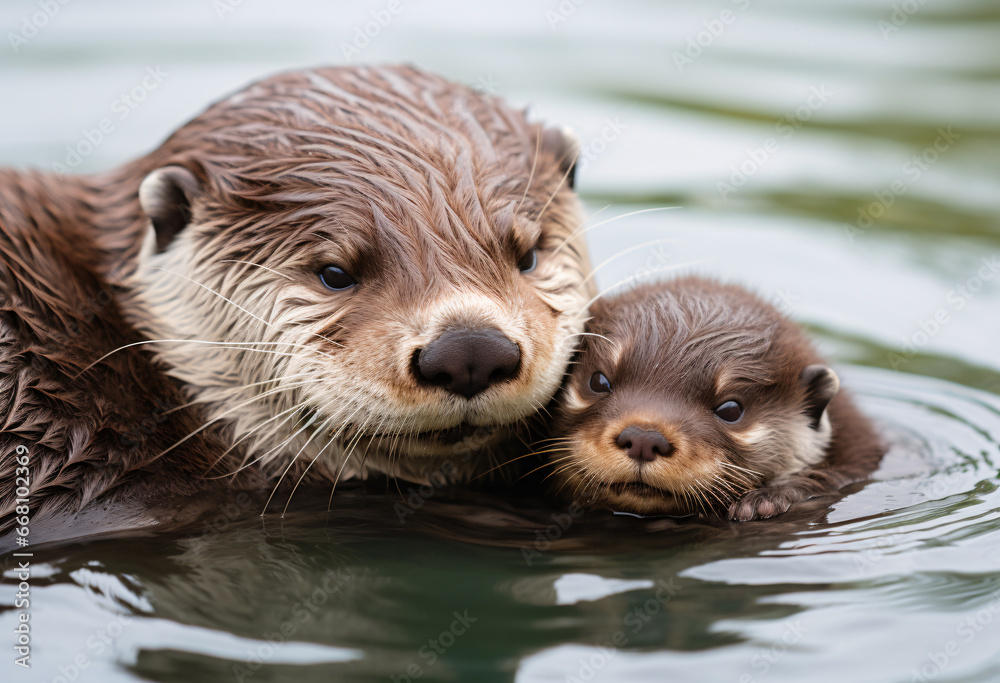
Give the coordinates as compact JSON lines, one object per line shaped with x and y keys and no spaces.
{"x":588,"y":334}
{"x":308,"y":424}
{"x":233,"y":346}
{"x":311,"y":463}
{"x":526,"y":474}
{"x":635,"y":277}
{"x":257,"y":265}
{"x":520,"y":457}
{"x":531,"y":175}
{"x":236,"y":390}
{"x":228,"y":411}
{"x":725,"y":463}
{"x":562,"y":181}
{"x":629,"y":250}
{"x":290,"y":412}
{"x":582,"y":230}
{"x":209,"y":289}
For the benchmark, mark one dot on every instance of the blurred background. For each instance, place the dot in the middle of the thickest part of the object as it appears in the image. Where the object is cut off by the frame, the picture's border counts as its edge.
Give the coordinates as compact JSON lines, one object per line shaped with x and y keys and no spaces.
{"x":784,"y":131}
{"x":840,"y":157}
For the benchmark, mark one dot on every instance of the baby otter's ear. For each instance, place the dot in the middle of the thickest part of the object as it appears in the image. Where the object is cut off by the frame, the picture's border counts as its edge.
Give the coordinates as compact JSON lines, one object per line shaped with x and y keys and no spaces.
{"x":166,"y":196}
{"x":821,"y":385}
{"x":563,"y":144}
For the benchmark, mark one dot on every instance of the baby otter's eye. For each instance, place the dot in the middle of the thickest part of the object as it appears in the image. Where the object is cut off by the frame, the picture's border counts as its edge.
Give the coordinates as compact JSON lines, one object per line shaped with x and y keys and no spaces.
{"x":336,"y":278}
{"x":599,"y":384}
{"x":730,"y":411}
{"x":528,"y":261}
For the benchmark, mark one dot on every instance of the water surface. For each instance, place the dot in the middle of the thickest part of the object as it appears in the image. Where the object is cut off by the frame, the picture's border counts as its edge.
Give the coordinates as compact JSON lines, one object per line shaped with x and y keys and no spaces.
{"x":840,"y":158}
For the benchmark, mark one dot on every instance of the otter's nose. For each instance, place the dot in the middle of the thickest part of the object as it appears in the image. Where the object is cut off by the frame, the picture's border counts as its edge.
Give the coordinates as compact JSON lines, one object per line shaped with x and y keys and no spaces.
{"x":466,"y":362}
{"x":644,"y":445}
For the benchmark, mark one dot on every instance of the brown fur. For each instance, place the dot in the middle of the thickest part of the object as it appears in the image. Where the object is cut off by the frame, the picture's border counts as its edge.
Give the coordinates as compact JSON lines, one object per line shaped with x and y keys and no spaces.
{"x":428,"y":192}
{"x":88,"y":433}
{"x":673,"y":353}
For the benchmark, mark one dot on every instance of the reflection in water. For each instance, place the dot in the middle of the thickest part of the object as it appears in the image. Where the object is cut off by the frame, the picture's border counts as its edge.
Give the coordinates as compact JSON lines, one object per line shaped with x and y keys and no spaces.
{"x":474,"y":585}
{"x":895,"y":581}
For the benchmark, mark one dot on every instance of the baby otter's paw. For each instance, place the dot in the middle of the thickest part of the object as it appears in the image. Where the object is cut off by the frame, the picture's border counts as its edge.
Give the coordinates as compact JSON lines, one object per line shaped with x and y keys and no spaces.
{"x":764,"y":503}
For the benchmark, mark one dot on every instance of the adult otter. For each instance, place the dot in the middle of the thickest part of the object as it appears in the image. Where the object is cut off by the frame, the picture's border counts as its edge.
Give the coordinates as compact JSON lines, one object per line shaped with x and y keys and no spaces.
{"x":342,"y":271}
{"x":695,"y":396}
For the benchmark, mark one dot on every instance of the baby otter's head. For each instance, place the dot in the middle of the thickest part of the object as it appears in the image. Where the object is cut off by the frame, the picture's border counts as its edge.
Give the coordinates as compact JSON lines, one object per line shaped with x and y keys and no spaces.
{"x":364,"y":268}
{"x":684,"y":396}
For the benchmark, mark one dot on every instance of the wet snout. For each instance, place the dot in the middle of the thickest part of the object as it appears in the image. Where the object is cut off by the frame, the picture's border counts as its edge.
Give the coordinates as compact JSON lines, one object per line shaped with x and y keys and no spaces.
{"x":644,"y":445}
{"x":467,"y":361}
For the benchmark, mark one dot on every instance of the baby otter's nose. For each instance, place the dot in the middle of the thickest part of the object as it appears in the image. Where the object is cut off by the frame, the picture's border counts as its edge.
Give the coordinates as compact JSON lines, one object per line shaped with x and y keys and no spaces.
{"x":644,"y":445}
{"x":466,"y":362}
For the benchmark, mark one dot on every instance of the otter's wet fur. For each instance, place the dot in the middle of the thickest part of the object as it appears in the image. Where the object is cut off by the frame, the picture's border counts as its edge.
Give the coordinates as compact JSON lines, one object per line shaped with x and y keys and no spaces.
{"x":645,"y":423}
{"x":432,"y":195}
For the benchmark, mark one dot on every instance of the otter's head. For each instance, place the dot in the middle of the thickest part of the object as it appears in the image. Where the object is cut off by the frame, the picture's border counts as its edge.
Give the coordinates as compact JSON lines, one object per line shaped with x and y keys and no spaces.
{"x":685,"y":395}
{"x":364,"y":268}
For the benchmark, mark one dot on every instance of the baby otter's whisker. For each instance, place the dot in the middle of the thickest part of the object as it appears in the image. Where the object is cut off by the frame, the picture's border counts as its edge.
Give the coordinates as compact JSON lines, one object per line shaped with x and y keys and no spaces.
{"x":504,"y":464}
{"x":543,"y":465}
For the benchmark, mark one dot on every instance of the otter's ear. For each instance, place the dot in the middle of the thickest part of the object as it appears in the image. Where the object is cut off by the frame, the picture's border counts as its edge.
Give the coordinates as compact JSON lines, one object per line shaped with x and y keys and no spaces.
{"x":565,"y":147}
{"x":821,"y":385}
{"x":165,"y":197}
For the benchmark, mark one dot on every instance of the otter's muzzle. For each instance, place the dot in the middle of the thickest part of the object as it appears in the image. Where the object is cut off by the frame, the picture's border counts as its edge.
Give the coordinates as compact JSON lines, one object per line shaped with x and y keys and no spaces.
{"x":468,"y":361}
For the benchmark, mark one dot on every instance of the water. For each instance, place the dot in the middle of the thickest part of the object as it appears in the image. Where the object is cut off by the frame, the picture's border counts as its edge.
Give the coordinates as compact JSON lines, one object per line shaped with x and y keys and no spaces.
{"x":823,"y":105}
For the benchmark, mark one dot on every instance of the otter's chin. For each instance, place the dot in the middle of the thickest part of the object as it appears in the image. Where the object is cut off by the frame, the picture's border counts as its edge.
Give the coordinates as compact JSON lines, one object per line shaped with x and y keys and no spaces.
{"x":441,"y":443}
{"x":637,"y":497}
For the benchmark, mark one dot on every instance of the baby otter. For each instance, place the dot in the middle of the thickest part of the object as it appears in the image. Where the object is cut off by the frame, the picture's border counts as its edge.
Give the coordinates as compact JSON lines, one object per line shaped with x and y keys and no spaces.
{"x":695,"y":396}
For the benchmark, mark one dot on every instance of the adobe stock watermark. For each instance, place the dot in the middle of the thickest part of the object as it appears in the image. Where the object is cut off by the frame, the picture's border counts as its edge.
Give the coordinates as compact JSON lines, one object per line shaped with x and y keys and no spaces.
{"x":911,"y":172}
{"x":785,"y":128}
{"x":32,"y":24}
{"x":440,"y":478}
{"x":704,"y":39}
{"x":767,"y":657}
{"x":100,"y":642}
{"x":967,"y":630}
{"x":595,"y":147}
{"x":224,"y":7}
{"x":546,"y":536}
{"x":658,"y":259}
{"x":875,"y":549}
{"x":122,"y":107}
{"x":562,"y":12}
{"x":484,"y":87}
{"x":365,"y":33}
{"x":302,"y":612}
{"x":901,"y":13}
{"x":435,"y":647}
{"x":957,"y":299}
{"x":786,"y":301}
{"x":633,"y":623}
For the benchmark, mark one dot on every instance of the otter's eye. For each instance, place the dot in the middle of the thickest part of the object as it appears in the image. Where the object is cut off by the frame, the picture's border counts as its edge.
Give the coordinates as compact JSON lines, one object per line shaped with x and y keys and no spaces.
{"x":528,"y":261}
{"x":730,"y":411}
{"x":336,"y":278}
{"x":599,"y":384}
